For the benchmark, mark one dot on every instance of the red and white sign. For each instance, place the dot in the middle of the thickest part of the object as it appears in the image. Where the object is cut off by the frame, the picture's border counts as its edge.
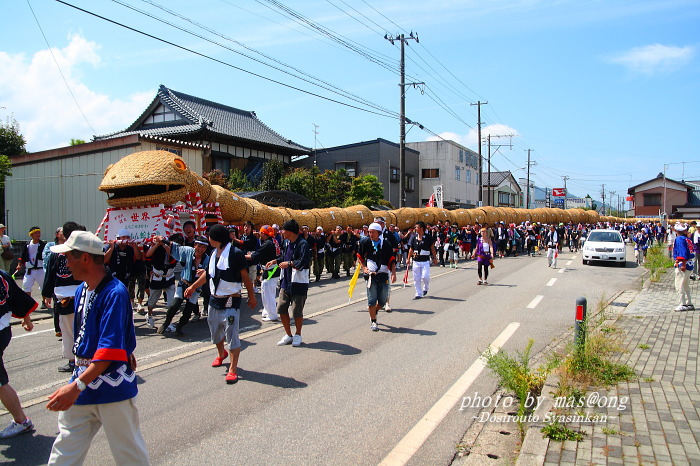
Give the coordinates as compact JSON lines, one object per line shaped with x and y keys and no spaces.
{"x":629,"y":198}
{"x":558,"y":192}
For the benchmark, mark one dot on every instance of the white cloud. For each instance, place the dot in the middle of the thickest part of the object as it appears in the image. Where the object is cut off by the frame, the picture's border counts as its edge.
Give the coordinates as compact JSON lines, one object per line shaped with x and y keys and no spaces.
{"x":656,"y":58}
{"x":33,"y":91}
{"x":471,"y":139}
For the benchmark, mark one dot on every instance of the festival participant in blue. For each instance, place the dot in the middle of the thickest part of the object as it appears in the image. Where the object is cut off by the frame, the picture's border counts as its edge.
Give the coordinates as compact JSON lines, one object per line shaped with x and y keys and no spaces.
{"x":13,"y":303}
{"x":683,"y":263}
{"x":227,"y":274}
{"x":102,"y":390}
{"x":378,"y":263}
{"x":196,"y":262}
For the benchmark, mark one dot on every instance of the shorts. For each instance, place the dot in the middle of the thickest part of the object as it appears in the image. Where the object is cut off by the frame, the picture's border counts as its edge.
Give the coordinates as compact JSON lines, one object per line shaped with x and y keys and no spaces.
{"x":180,"y":293}
{"x":224,"y":323}
{"x":285,"y":300}
{"x":5,"y":337}
{"x":452,"y":255}
{"x":155,"y":295}
{"x":378,"y":291}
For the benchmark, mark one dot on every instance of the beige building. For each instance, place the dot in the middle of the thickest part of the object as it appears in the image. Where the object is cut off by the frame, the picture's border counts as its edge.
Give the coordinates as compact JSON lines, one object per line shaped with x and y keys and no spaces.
{"x":451,"y":165}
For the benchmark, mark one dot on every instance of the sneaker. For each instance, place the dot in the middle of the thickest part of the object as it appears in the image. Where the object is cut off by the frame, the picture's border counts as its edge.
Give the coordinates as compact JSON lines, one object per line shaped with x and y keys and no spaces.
{"x":68,"y":367}
{"x":59,"y":334}
{"x":689,"y":307}
{"x":15,"y":429}
{"x":267,"y":319}
{"x":417,"y":297}
{"x":171,"y":328}
{"x":480,"y":282}
{"x":680,"y":308}
{"x":296,"y":340}
{"x":425,"y":292}
{"x":195,"y":318}
{"x":264,"y":314}
{"x":485,"y":283}
{"x":141,"y":310}
{"x":151,"y":322}
{"x":374,"y":327}
{"x":286,"y":340}
{"x":387,"y":308}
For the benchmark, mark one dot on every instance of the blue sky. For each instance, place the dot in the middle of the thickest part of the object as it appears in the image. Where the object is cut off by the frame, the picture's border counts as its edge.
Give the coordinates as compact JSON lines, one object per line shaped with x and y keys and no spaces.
{"x":604,"y":92}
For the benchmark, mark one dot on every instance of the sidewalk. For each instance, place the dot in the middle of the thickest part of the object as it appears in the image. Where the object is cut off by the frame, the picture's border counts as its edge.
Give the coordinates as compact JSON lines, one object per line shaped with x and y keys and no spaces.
{"x":660,"y":422}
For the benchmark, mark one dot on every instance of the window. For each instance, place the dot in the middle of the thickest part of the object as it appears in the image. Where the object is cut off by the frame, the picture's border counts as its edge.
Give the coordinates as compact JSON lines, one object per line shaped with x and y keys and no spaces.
{"x":458,"y":171}
{"x":461,"y":156}
{"x":394,"y":175}
{"x":652,"y":199}
{"x":350,"y":167}
{"x":410,"y":183}
{"x":160,"y":115}
{"x":504,"y":198}
{"x":469,"y":176}
{"x":221,"y":163}
{"x":430,"y":173}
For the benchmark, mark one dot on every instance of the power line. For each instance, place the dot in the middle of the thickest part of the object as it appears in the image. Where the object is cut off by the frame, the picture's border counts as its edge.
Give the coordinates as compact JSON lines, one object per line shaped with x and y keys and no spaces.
{"x":221,"y":61}
{"x":59,"y":69}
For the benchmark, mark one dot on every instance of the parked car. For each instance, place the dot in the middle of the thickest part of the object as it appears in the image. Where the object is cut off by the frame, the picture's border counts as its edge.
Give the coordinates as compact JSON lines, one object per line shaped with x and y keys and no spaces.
{"x":604,"y":246}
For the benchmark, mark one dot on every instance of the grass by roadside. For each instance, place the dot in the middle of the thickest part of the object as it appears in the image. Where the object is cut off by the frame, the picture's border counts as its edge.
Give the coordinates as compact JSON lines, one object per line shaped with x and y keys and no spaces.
{"x":657,"y":262}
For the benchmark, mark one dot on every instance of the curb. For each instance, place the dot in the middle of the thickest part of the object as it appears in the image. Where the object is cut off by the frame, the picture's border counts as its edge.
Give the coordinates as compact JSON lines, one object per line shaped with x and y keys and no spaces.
{"x":535,"y":445}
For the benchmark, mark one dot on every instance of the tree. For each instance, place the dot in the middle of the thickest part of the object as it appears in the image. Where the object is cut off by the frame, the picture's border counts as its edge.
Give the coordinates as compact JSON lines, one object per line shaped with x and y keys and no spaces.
{"x":332,"y":187}
{"x":12,"y":143}
{"x":300,"y":181}
{"x":216,"y":177}
{"x":238,"y":181}
{"x":75,"y":142}
{"x":366,"y":190}
{"x":272,"y":173}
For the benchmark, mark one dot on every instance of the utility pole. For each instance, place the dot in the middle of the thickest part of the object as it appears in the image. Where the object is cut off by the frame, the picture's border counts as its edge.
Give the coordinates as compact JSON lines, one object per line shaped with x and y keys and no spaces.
{"x":497,"y":146}
{"x":612,"y":195}
{"x":313,"y":180}
{"x":529,"y":164}
{"x":565,"y":177}
{"x":402,"y":118}
{"x":481,"y":168}
{"x":603,"y":186}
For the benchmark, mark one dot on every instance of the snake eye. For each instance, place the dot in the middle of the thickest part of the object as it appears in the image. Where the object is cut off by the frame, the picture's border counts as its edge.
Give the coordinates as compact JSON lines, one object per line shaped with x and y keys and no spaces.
{"x":180,"y":164}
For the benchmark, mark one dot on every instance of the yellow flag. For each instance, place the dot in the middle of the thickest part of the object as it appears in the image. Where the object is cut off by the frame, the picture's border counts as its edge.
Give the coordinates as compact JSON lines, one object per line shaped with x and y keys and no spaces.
{"x":353,"y":280}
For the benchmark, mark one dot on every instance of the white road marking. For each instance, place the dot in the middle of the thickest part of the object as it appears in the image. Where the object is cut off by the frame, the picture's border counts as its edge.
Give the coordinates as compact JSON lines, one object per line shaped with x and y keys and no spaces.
{"x":533,"y":304}
{"x":562,"y":270}
{"x":569,"y":263}
{"x":29,"y":334}
{"x":551,"y":282}
{"x":414,"y":439}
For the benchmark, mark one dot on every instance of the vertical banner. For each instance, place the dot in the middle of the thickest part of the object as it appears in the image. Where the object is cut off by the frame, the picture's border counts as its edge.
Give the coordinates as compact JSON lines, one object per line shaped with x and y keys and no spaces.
{"x":437,"y":192}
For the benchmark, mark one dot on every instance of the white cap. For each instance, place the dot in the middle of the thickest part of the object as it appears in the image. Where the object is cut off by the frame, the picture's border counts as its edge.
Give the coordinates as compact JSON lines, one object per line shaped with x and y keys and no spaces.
{"x":83,"y":241}
{"x":123,"y":232}
{"x":375,"y":226}
{"x":319,"y":228}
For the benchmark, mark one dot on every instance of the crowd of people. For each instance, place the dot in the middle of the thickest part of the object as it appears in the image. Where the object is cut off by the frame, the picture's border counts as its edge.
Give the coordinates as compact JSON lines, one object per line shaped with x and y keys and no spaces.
{"x":78,"y":272}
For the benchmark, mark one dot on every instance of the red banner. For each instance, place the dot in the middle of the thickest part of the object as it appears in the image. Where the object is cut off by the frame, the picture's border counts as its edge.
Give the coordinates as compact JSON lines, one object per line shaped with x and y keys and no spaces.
{"x":558,"y":192}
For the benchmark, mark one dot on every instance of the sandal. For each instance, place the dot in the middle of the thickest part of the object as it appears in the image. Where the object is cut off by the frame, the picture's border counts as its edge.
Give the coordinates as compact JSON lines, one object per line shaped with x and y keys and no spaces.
{"x":219,"y":361}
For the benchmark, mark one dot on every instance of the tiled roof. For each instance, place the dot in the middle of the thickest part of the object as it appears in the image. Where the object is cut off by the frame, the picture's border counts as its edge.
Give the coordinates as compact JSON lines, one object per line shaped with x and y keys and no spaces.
{"x":199,"y":114}
{"x":496,"y":178}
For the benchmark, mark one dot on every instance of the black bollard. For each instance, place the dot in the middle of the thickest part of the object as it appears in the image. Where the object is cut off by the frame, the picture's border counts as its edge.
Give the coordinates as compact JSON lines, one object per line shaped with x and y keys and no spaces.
{"x":580,"y":329}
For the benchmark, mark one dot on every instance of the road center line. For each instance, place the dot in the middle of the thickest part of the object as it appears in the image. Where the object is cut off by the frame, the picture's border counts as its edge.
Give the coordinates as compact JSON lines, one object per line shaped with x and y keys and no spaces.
{"x":569,"y":263}
{"x":551,"y":282}
{"x":414,"y":439}
{"x":533,"y":304}
{"x":29,"y":334}
{"x":562,"y":270}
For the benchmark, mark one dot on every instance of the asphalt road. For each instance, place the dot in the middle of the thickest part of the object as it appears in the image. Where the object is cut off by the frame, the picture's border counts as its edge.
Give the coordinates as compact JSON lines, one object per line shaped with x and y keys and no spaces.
{"x":347,"y":395}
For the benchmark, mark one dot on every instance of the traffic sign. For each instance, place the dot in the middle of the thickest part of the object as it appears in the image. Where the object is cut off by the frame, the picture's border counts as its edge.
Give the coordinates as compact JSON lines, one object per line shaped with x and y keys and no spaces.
{"x":558,"y":192}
